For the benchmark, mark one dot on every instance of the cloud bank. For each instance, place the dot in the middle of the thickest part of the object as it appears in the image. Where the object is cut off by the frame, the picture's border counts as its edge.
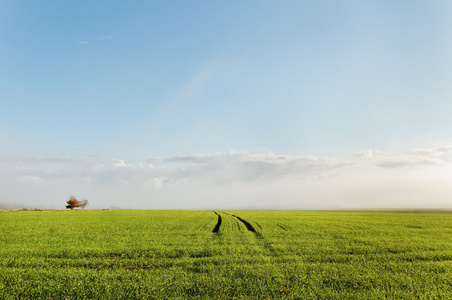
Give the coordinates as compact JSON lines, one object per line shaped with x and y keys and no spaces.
{"x":234,"y":180}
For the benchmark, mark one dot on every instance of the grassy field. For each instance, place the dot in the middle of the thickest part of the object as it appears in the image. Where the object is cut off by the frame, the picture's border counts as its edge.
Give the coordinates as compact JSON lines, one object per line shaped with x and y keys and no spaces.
{"x":225,"y":255}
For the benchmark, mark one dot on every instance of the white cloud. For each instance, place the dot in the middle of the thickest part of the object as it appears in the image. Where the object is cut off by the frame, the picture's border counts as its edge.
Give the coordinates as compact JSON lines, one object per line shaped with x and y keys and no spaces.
{"x":249,"y":166}
{"x":408,"y":161}
{"x":237,"y":179}
{"x":105,"y":37}
{"x":410,"y":158}
{"x":365,"y":154}
{"x":432,"y":152}
{"x":119,"y":163}
{"x":153,"y":183}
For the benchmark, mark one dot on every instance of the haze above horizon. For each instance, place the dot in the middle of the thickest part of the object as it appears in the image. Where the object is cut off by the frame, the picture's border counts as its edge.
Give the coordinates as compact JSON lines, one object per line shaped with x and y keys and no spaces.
{"x":226,"y":105}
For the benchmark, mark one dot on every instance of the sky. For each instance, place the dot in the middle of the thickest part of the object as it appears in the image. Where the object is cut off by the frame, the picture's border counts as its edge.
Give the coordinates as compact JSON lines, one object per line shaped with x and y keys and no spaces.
{"x":226,"y":104}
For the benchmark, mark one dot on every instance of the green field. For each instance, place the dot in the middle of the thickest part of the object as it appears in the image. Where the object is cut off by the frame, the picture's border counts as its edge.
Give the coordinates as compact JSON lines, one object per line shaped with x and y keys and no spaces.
{"x":225,"y":255}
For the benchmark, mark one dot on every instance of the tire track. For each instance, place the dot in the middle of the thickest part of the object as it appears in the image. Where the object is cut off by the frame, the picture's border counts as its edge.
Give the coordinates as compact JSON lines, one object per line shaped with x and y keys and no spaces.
{"x":218,"y":225}
{"x":247,"y":224}
{"x":259,"y":236}
{"x":281,"y":227}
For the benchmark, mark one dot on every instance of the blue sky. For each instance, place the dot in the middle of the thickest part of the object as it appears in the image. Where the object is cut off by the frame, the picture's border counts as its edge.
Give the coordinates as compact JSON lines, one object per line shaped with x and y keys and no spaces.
{"x":236,"y":104}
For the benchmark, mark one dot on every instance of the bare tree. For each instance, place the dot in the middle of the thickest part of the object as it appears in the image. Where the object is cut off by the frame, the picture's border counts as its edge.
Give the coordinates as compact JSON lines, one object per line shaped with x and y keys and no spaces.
{"x":72,"y":203}
{"x":84,"y":203}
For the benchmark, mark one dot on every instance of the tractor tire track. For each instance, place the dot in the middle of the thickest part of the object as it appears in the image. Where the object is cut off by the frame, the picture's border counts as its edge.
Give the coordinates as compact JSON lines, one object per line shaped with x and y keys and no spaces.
{"x":218,"y":225}
{"x":247,"y":224}
{"x":281,"y":227}
{"x":237,"y":225}
{"x":267,"y":245}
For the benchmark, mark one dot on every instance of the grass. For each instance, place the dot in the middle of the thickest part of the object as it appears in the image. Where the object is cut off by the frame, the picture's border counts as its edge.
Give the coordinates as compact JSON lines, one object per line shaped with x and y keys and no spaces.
{"x":253,"y":254}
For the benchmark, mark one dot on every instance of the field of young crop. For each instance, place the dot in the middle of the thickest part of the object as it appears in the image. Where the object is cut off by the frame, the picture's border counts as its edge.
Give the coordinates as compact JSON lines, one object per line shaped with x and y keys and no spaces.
{"x":225,"y":255}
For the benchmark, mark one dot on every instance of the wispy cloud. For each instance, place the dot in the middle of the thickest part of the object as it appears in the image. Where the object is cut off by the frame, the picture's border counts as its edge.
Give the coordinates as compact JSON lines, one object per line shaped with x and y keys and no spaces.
{"x":199,"y":81}
{"x":410,"y":158}
{"x":432,"y":152}
{"x":105,"y":37}
{"x":100,"y":38}
{"x":251,"y":166}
